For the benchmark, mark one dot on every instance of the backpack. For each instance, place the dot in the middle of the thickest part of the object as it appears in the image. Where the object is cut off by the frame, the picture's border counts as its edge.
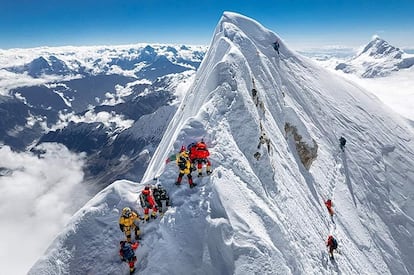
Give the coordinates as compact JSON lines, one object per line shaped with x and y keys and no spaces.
{"x":143,"y":199}
{"x":334,"y":243}
{"x":163,"y":195}
{"x":191,"y":145}
{"x":127,"y":251}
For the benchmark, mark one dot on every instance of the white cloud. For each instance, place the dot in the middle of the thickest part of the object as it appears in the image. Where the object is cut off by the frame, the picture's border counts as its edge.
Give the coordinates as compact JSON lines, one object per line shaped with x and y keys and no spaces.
{"x":110,"y":120}
{"x":9,"y":80}
{"x":38,"y":195}
{"x":122,"y":91}
{"x":396,"y":90}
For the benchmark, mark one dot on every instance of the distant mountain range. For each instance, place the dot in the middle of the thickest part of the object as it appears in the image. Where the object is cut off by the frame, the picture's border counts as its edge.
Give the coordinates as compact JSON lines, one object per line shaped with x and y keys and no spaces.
{"x":99,"y":100}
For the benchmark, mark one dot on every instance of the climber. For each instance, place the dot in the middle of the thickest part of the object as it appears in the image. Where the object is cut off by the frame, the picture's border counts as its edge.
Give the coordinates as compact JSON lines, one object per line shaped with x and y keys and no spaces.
{"x":190,"y":151}
{"x":263,"y":139}
{"x":255,"y":97}
{"x":127,"y":253}
{"x":332,"y":244}
{"x":161,"y":198}
{"x":198,"y":155}
{"x":342,"y":142}
{"x":129,"y":221}
{"x":328,"y":204}
{"x":276,"y":46}
{"x":184,"y":166}
{"x":147,"y":202}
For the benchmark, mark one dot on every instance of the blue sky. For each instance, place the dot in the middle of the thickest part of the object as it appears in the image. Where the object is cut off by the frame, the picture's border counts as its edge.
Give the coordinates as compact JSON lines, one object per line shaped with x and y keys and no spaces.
{"x":300,"y":23}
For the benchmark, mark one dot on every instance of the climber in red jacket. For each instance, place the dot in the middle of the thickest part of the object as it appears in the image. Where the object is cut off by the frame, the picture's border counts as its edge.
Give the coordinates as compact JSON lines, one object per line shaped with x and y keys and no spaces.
{"x":198,"y":155}
{"x":328,"y":204}
{"x":332,"y":244}
{"x":147,"y":202}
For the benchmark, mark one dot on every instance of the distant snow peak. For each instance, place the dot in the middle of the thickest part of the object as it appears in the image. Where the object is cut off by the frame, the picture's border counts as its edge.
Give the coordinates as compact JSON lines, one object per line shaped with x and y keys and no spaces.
{"x":375,"y":36}
{"x":379,"y":48}
{"x":378,"y":58}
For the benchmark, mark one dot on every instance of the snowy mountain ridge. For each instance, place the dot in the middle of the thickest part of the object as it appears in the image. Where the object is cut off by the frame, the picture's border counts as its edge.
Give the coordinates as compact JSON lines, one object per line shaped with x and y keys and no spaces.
{"x":263,"y":216}
{"x":378,"y":58}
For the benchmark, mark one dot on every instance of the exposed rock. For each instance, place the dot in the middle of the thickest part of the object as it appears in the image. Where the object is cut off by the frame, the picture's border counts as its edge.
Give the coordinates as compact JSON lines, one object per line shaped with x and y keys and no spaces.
{"x":306,"y":153}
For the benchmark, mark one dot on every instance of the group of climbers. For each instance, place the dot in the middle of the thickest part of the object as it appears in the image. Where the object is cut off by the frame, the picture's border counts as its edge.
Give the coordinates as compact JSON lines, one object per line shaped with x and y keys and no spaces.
{"x":154,"y":198}
{"x":331,"y":242}
{"x":128,"y":223}
{"x":190,"y":159}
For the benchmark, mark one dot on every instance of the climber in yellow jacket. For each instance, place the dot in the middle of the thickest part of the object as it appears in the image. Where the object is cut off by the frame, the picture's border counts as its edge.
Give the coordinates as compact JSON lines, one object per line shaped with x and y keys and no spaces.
{"x":184,"y":165}
{"x":129,"y":221}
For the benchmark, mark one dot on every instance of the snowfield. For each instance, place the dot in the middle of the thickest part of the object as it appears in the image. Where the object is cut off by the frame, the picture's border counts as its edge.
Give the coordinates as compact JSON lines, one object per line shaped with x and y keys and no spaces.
{"x":263,"y":216}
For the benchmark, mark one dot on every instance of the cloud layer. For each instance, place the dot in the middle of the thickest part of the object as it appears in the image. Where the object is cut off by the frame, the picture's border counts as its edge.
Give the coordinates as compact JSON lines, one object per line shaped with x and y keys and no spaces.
{"x":38,"y":195}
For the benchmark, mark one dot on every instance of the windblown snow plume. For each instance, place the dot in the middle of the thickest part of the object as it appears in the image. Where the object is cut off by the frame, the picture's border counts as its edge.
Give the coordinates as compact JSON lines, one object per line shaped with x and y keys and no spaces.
{"x":272,"y":122}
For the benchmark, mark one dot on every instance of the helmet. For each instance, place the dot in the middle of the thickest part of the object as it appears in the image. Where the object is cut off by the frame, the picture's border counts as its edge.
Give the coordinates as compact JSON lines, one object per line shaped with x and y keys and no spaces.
{"x":182,"y":149}
{"x":147,"y":187}
{"x":126,"y":212}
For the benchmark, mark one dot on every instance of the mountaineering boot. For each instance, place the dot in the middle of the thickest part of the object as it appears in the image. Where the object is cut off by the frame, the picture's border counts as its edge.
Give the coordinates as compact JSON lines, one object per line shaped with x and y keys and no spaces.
{"x":178,"y":182}
{"x":200,"y":174}
{"x":208,"y":168}
{"x":153,"y":215}
{"x":193,"y":184}
{"x":131,"y":270}
{"x":137,"y":235}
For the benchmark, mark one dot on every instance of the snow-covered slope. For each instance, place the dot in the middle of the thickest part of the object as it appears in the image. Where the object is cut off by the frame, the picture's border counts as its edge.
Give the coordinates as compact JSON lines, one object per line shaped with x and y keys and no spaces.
{"x":263,"y":216}
{"x":378,"y":58}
